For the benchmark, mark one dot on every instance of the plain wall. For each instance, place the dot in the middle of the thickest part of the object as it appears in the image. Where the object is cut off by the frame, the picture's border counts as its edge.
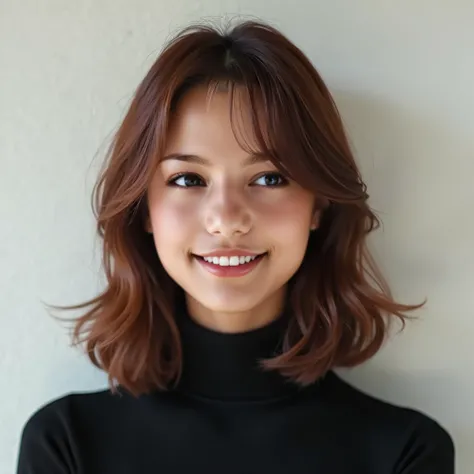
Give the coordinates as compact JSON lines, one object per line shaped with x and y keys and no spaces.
{"x":402,"y":74}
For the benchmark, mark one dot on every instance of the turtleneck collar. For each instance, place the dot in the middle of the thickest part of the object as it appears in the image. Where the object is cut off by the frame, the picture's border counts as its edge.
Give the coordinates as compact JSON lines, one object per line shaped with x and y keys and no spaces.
{"x":225,"y":366}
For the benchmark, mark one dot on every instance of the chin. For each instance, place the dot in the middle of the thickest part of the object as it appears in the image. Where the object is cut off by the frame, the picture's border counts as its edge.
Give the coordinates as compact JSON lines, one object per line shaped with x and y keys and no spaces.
{"x":227,"y":300}
{"x":230,"y":305}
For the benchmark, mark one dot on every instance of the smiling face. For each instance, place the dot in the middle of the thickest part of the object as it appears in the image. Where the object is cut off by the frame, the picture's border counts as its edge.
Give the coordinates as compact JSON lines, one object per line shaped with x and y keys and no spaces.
{"x":209,"y":195}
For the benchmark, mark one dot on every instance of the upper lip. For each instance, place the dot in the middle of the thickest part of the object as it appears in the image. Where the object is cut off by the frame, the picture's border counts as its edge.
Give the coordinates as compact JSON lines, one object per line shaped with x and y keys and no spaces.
{"x":230,"y":253}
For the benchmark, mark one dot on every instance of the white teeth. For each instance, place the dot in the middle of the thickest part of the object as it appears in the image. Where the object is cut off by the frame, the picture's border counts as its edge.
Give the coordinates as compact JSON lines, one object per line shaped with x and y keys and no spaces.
{"x":232,"y":261}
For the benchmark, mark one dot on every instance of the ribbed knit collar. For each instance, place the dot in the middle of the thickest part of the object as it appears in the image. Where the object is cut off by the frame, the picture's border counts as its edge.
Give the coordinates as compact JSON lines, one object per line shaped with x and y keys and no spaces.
{"x":225,"y":365}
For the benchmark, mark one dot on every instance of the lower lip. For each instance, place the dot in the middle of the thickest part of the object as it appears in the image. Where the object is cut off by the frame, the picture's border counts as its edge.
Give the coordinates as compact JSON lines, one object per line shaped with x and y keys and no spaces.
{"x":230,"y":271}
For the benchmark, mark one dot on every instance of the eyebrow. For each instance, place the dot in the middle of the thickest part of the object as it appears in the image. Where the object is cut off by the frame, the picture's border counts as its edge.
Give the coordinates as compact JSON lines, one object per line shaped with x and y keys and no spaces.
{"x":188,"y":158}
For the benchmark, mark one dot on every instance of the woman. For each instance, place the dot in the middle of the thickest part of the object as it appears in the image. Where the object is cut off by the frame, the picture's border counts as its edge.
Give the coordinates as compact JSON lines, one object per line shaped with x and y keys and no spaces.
{"x":234,"y":222}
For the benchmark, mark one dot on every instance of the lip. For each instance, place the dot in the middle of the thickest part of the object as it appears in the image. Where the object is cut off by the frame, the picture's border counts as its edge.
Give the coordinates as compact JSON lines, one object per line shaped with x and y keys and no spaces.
{"x":230,"y":271}
{"x":229,"y":253}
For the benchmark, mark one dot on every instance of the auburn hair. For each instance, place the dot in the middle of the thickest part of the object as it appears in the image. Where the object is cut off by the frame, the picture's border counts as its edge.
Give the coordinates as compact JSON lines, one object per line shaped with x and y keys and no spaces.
{"x":341,"y":305}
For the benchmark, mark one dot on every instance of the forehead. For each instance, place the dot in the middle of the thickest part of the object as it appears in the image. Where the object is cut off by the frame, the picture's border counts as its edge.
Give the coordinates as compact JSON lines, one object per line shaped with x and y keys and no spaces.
{"x":212,"y":123}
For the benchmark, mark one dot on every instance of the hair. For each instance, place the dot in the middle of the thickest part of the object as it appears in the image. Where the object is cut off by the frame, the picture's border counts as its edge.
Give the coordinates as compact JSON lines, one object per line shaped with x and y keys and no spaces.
{"x":341,"y":305}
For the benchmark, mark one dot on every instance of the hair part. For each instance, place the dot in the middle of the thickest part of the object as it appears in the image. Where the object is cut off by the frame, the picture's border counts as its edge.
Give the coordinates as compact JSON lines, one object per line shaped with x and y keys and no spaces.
{"x":342,"y":306}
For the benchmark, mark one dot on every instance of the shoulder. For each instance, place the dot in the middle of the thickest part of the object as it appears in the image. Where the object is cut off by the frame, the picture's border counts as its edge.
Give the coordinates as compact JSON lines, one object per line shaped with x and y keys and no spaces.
{"x":54,"y":436}
{"x":349,"y":399}
{"x":46,"y":441}
{"x":52,"y":419}
{"x":400,"y":432}
{"x":56,"y":412}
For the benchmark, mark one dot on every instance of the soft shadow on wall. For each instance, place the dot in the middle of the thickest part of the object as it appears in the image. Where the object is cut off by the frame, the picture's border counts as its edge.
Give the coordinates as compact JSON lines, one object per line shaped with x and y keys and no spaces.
{"x":419,"y":169}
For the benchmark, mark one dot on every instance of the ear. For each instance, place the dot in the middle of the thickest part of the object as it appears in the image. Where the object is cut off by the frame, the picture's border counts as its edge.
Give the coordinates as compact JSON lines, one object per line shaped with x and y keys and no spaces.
{"x":315,"y":220}
{"x":320,"y":205}
{"x":147,"y":225}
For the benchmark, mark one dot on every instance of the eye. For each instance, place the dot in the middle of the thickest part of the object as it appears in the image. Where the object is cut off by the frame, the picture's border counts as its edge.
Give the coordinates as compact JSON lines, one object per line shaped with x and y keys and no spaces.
{"x":271,"y":180}
{"x":189,"y":180}
{"x":186,"y":180}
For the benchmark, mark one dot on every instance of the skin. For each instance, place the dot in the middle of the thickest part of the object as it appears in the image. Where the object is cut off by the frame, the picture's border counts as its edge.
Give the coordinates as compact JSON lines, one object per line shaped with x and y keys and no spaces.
{"x":225,"y":201}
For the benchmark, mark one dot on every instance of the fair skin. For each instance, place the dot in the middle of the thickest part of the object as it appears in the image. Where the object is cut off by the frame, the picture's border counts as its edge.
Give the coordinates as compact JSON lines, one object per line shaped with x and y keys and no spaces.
{"x":221,"y":198}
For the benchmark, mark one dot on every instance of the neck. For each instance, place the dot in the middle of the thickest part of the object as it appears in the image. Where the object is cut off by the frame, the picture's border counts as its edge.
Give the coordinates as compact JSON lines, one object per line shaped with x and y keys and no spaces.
{"x":227,"y":366}
{"x":232,"y":322}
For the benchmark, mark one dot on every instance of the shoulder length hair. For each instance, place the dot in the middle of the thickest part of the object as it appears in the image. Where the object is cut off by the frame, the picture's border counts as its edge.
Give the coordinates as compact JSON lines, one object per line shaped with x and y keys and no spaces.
{"x":341,"y":305}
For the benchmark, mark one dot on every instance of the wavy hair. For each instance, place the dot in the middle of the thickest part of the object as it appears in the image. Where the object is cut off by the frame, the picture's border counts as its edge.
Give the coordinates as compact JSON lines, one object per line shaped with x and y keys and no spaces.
{"x":340,"y":303}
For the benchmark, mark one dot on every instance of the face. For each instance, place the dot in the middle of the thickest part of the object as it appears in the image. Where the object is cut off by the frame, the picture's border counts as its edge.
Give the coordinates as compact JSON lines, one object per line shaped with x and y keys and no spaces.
{"x":209,"y":197}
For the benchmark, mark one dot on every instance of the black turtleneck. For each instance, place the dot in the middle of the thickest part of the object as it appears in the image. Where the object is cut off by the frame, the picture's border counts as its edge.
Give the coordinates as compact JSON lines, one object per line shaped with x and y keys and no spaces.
{"x":229,"y":416}
{"x":225,"y":366}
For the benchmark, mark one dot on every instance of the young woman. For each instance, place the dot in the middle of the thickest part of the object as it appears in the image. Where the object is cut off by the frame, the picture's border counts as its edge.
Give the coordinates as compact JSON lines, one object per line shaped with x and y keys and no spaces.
{"x":234,"y":224}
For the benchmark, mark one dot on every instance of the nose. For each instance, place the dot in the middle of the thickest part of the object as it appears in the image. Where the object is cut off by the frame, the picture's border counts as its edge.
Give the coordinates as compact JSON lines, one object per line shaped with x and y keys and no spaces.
{"x":227,"y":213}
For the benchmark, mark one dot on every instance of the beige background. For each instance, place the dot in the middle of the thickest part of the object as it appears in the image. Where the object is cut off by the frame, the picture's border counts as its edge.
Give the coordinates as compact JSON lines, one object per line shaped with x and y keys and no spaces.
{"x":402,"y":73}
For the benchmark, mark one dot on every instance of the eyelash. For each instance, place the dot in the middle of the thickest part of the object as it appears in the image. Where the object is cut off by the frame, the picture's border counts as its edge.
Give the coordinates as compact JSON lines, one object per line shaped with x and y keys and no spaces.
{"x":172,"y":180}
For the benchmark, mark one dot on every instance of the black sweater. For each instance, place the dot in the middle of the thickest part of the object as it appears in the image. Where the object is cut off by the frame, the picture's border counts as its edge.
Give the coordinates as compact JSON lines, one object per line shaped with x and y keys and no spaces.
{"x":229,"y":417}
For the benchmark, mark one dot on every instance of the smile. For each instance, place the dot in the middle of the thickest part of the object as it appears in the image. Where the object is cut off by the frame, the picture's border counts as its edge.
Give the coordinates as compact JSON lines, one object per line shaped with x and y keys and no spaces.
{"x":230,"y":266}
{"x":232,"y":261}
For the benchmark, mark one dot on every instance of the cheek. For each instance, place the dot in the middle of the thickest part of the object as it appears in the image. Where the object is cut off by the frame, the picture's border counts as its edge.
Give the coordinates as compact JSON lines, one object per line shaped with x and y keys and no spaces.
{"x":288,"y":217}
{"x":173,"y":221}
